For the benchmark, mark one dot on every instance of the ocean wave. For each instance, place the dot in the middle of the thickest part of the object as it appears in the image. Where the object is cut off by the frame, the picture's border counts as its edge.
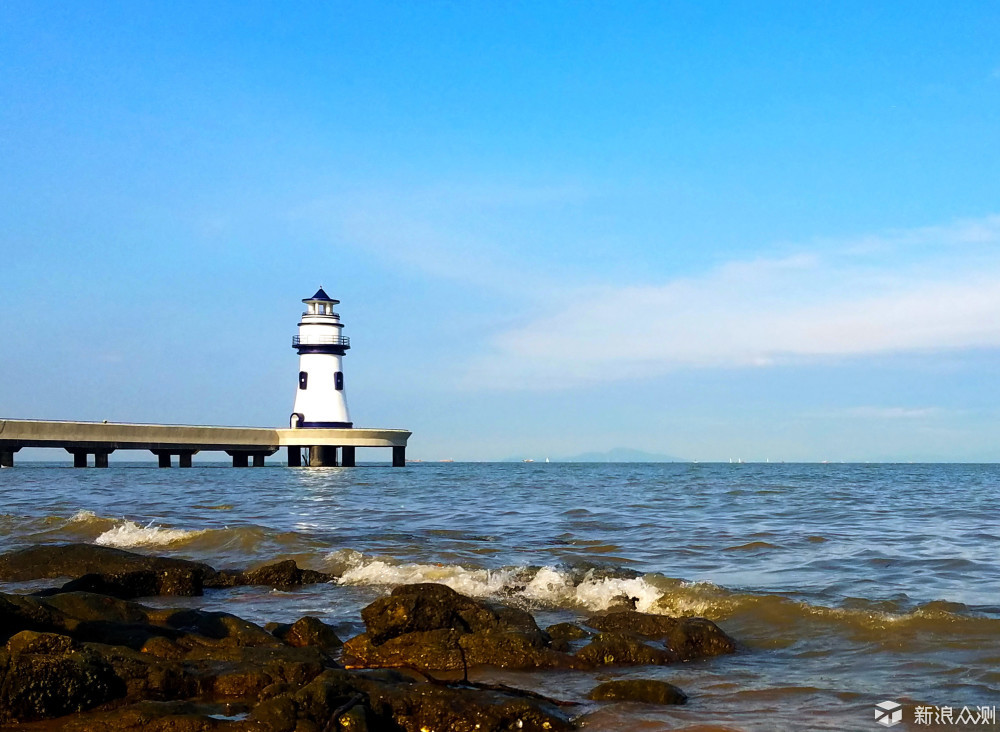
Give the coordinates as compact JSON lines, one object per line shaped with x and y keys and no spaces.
{"x":130,"y":534}
{"x":595,"y":590}
{"x":238,"y":544}
{"x":83,"y":516}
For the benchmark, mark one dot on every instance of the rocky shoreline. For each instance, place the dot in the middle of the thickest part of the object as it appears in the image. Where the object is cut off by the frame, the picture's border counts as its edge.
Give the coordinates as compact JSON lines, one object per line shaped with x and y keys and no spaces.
{"x":86,"y":656}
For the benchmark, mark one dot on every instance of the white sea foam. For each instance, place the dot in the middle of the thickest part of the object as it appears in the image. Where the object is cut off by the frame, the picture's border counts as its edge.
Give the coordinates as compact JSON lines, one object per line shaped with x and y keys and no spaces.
{"x":471,"y":582}
{"x":547,"y":586}
{"x":551,"y":586}
{"x":82,"y":516}
{"x":130,"y":534}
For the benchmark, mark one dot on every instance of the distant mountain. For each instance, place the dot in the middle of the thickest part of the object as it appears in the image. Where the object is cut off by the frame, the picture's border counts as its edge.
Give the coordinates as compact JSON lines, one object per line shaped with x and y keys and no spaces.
{"x":620,"y":455}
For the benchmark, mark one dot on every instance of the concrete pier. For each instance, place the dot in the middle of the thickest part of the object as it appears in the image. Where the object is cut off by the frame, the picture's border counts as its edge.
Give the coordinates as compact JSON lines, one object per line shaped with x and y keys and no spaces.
{"x":243,"y":444}
{"x":7,"y":458}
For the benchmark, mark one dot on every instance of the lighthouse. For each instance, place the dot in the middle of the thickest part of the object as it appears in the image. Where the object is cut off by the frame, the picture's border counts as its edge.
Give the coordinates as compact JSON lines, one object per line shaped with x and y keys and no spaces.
{"x":320,"y":400}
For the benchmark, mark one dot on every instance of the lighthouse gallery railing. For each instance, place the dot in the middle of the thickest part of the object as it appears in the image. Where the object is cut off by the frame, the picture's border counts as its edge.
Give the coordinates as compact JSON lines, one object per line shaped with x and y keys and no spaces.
{"x":321,"y":341}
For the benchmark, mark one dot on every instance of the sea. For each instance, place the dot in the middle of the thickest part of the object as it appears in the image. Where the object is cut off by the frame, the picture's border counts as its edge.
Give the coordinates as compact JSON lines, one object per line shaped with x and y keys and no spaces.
{"x":845,"y":585}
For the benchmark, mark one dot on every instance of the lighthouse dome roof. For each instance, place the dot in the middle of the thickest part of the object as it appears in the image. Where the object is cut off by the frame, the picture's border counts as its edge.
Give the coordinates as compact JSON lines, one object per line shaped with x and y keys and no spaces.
{"x":321,"y":296}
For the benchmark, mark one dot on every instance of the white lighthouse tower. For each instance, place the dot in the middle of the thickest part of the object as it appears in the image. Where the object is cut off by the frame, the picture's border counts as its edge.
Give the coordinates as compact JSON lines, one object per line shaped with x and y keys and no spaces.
{"x":320,"y":401}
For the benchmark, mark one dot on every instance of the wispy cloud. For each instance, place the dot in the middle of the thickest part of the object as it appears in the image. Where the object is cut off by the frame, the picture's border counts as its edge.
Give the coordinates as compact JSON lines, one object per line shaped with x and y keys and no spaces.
{"x":442,"y":231}
{"x":919,"y":290}
{"x":871,"y":412}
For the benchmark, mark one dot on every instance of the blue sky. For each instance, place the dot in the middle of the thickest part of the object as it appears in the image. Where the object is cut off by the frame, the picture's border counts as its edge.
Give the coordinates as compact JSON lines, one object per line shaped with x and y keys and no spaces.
{"x":714,"y":230}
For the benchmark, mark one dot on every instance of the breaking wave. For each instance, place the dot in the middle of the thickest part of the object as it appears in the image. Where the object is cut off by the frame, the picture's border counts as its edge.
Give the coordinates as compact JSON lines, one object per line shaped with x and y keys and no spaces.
{"x":595,"y":590}
{"x":130,"y":534}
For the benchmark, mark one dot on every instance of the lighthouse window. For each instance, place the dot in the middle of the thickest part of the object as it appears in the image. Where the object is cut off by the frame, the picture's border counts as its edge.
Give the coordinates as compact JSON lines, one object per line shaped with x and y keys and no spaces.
{"x":303,"y":379}
{"x":338,"y":380}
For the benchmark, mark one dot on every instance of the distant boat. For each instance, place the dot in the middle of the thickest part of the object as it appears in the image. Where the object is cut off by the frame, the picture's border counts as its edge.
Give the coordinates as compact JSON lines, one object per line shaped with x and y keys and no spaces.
{"x":528,"y":460}
{"x":546,"y":459}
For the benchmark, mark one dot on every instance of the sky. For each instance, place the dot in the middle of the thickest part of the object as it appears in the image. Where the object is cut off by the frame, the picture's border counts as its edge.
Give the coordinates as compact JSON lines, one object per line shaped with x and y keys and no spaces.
{"x":713,"y":230}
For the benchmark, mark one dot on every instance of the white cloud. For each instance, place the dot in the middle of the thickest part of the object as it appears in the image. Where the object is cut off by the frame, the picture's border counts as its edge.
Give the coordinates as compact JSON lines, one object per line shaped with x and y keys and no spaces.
{"x":440,"y":230}
{"x":871,"y":412}
{"x":919,"y":290}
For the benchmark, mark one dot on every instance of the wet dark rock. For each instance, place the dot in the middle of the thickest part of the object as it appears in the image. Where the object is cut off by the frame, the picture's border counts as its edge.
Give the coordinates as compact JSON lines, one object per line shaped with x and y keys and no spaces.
{"x":284,"y":575}
{"x":44,"y":675}
{"x":178,"y":581}
{"x":394,"y":702}
{"x":647,"y":691}
{"x":445,"y":649}
{"x":307,"y":631}
{"x":211,"y":655}
{"x":689,"y":638}
{"x":622,"y":602}
{"x":432,"y":627}
{"x":76,"y":560}
{"x":623,"y":649}
{"x":103,"y":619}
{"x":127,"y":575}
{"x":563,"y":635}
{"x":152,"y":716}
{"x":421,"y":607}
{"x":567,"y":631}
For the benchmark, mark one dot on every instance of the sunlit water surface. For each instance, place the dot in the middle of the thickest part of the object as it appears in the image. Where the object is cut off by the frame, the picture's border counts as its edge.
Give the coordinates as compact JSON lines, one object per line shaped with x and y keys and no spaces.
{"x":845,"y":585}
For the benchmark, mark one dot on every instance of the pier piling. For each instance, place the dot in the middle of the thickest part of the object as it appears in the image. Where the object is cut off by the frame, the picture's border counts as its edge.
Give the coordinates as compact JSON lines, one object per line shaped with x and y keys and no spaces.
{"x":323,"y":456}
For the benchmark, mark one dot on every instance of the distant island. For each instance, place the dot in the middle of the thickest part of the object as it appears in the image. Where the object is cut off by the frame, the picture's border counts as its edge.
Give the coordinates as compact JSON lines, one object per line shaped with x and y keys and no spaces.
{"x":615,"y":455}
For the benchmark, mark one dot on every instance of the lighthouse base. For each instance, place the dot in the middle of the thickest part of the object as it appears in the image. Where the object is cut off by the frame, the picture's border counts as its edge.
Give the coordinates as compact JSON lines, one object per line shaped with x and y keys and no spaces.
{"x":323,"y":456}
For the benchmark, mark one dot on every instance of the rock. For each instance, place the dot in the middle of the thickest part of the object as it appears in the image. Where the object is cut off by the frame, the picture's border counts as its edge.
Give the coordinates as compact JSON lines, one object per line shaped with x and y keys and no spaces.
{"x":197,"y":626}
{"x":421,"y":607}
{"x":44,"y":675}
{"x":176,"y":581}
{"x":647,"y":691}
{"x":445,"y":649}
{"x":127,"y":575}
{"x":623,"y":649}
{"x":563,"y":635}
{"x":622,"y":602}
{"x":103,"y":619}
{"x":149,"y":677}
{"x":149,"y":716}
{"x":284,"y":575}
{"x":211,"y":656}
{"x":689,"y":638}
{"x":397,"y":703}
{"x":567,"y":631}
{"x":118,"y":665}
{"x":76,"y":560}
{"x":432,"y":627}
{"x":307,"y":631}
